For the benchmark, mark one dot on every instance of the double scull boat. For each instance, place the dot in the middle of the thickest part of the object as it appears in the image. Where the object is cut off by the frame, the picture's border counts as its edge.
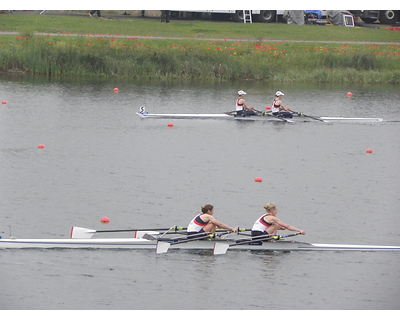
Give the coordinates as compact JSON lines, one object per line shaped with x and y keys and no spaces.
{"x":263,"y":116}
{"x":80,"y":238}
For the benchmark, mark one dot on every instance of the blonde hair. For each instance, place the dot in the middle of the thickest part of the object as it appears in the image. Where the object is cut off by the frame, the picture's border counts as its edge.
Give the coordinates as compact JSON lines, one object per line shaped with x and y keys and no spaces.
{"x":269,"y":207}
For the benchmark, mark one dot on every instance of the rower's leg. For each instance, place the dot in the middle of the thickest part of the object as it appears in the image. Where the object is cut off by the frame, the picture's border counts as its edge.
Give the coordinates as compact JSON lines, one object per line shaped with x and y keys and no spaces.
{"x":272,"y":229}
{"x":209,"y":228}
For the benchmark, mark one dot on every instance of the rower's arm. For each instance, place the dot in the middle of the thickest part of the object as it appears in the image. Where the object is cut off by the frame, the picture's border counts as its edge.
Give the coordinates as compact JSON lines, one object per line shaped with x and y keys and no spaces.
{"x":288,"y":226}
{"x":220,"y":224}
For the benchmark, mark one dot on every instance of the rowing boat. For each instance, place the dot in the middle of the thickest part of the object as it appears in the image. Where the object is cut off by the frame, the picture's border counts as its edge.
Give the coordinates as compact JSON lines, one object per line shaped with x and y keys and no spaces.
{"x":150,"y":240}
{"x":133,"y":243}
{"x":262,"y":116}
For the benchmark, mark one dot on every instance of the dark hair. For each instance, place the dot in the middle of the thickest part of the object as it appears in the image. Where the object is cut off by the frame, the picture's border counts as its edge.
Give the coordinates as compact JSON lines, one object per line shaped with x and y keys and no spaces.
{"x":206,"y":208}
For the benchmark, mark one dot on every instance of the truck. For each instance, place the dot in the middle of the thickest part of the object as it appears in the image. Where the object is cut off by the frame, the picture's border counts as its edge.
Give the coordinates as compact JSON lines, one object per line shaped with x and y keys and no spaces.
{"x":236,"y":15}
{"x":384,"y":16}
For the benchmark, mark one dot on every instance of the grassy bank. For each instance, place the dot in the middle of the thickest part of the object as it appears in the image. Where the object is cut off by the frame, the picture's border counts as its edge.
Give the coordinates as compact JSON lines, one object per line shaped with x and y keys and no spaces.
{"x":101,"y":50}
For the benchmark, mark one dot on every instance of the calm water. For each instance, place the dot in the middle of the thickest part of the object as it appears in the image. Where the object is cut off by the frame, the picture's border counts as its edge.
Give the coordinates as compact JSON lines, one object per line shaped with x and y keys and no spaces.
{"x":100,"y":159}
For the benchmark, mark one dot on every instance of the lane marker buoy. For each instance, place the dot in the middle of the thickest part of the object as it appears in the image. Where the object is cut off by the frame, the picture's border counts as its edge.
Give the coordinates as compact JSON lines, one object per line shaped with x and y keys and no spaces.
{"x":104,"y":220}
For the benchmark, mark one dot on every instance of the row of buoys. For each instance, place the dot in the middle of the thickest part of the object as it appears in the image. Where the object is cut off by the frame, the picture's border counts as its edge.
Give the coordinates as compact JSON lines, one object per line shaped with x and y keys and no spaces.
{"x":348,"y":94}
{"x":259,"y":179}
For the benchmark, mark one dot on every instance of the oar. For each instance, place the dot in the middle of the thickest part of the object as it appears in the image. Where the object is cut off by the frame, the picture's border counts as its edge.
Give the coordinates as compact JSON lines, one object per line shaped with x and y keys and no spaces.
{"x":84,"y":233}
{"x":163,"y":246}
{"x":271,"y":115}
{"x":221,"y":248}
{"x":312,"y":117}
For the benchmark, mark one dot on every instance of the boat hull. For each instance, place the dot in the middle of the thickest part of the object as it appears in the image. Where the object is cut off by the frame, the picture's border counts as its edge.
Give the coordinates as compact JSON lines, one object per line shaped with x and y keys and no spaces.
{"x":264,"y":117}
{"x":133,"y":243}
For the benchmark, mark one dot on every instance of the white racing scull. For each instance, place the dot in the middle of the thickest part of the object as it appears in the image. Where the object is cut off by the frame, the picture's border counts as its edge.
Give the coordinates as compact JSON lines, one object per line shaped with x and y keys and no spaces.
{"x":81,"y":239}
{"x":263,"y":116}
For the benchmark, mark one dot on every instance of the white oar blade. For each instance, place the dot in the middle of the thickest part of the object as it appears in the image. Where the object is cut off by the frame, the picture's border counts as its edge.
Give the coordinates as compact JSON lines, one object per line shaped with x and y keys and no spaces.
{"x":162,"y":247}
{"x":81,"y":233}
{"x":220,"y":248}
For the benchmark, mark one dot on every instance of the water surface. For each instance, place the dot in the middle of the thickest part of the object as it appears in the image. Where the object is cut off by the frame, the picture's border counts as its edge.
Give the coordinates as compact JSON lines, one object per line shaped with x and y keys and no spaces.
{"x":100,"y":159}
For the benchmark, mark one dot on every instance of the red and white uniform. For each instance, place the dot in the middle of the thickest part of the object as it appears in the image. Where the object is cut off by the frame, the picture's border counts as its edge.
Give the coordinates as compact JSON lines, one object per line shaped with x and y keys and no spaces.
{"x":196,"y":225}
{"x":261,"y":224}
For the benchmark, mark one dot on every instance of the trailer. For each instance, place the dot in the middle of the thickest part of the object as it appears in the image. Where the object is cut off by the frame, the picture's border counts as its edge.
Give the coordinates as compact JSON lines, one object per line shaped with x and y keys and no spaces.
{"x":383,"y":16}
{"x":236,"y":15}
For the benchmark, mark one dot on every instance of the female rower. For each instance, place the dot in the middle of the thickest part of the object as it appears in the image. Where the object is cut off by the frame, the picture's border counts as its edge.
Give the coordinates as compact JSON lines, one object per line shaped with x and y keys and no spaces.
{"x":205,"y":223}
{"x":241,"y":107}
{"x":268,"y":224}
{"x":277,"y":107}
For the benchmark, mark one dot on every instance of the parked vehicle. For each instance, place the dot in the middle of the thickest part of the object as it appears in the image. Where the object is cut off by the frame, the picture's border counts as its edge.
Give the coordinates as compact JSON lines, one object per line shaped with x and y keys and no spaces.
{"x":236,"y":15}
{"x":383,"y":16}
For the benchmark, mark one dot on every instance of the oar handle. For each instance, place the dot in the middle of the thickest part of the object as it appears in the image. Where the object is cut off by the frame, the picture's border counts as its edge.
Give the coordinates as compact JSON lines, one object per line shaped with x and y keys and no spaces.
{"x":265,"y":237}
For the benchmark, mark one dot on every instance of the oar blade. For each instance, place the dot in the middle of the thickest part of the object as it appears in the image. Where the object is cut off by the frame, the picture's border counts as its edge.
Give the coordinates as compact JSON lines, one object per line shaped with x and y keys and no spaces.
{"x":162,"y":247}
{"x":81,"y":233}
{"x":220,"y":248}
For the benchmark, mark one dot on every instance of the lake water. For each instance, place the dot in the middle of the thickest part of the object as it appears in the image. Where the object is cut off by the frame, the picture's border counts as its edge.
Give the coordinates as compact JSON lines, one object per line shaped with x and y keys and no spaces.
{"x":100,"y":159}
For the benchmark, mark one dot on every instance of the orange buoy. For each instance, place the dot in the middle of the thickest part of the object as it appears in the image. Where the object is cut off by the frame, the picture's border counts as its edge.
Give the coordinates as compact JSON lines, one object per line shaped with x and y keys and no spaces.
{"x":268,"y":107}
{"x":116,"y":89}
{"x":349,"y":94}
{"x":258,"y":179}
{"x":104,"y":220}
{"x":170,"y":124}
{"x":368,"y":151}
{"x":4,"y":102}
{"x":40,"y":146}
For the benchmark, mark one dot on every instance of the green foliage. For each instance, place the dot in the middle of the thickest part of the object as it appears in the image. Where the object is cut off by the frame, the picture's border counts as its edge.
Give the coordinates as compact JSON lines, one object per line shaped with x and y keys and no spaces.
{"x":141,"y":58}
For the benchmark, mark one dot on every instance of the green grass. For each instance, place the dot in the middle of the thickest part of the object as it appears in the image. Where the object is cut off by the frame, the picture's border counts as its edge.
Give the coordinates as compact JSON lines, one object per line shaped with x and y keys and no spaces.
{"x":101,"y":50}
{"x":192,"y":29}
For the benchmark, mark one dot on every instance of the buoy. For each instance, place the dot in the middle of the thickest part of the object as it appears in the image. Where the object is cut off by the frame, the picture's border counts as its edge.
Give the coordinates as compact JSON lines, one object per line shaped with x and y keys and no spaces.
{"x":268,"y":107}
{"x":4,"y":102}
{"x":258,"y":179}
{"x":116,"y":89}
{"x":104,"y":220}
{"x":40,"y":146}
{"x":170,"y":124}
{"x":369,"y":151}
{"x":349,"y":94}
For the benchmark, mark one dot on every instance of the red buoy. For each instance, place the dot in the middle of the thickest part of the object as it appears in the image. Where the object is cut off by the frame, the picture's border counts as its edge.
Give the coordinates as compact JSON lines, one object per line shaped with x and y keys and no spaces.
{"x":369,"y":151}
{"x":349,"y":94}
{"x":104,"y":220}
{"x":4,"y":102}
{"x":116,"y":89}
{"x":40,"y":146}
{"x":170,"y":124}
{"x":268,"y":107}
{"x":258,"y":179}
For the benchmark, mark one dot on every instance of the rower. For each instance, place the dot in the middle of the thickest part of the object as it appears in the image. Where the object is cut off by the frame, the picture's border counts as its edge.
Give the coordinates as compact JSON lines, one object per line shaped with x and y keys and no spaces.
{"x":241,"y":107}
{"x":277,"y":108}
{"x":205,"y":223}
{"x":268,"y":224}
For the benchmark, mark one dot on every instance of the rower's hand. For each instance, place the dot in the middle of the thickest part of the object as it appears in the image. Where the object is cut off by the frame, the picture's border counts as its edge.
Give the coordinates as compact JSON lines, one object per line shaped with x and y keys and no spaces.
{"x":235,"y":230}
{"x":302,"y":232}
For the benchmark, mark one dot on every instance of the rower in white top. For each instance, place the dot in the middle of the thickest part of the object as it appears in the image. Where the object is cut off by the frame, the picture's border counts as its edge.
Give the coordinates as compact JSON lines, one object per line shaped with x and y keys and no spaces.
{"x":277,"y":108}
{"x":241,"y":107}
